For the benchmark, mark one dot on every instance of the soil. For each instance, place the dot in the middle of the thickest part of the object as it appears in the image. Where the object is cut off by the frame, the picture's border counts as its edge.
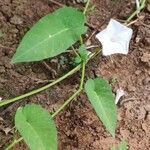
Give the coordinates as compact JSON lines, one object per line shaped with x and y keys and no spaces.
{"x":78,"y":126}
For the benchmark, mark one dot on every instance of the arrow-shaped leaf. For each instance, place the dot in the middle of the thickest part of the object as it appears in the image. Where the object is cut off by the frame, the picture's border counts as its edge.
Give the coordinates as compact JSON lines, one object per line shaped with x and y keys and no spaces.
{"x":36,"y":127}
{"x":100,"y":95}
{"x":51,"y":35}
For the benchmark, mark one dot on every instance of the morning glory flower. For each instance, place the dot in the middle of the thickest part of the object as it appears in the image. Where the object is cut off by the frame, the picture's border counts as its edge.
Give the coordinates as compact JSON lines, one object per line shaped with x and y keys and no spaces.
{"x":115,"y":38}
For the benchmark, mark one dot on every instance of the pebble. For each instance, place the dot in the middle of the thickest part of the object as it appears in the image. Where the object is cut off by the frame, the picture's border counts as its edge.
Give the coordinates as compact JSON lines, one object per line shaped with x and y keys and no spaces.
{"x":147,"y":41}
{"x":16,"y":20}
{"x":147,"y":107}
{"x":137,"y":72}
{"x":146,"y":81}
{"x":131,"y":88}
{"x":8,"y":66}
{"x":2,"y":69}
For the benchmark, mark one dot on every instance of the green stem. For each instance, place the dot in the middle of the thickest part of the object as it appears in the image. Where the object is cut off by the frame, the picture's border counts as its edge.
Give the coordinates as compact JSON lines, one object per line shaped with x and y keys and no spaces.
{"x":75,"y":51}
{"x":75,"y":94}
{"x":136,"y":12}
{"x":81,"y":40}
{"x":4,"y":102}
{"x":62,"y":107}
{"x":14,"y":143}
{"x":66,"y":102}
{"x":53,"y":115}
{"x":63,"y":77}
{"x":84,"y":12}
{"x":86,"y":7}
{"x":82,"y":76}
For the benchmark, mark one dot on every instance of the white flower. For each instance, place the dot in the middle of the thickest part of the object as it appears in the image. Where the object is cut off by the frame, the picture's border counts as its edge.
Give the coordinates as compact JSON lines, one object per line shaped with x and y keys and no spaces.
{"x":119,"y":94}
{"x":115,"y":38}
{"x":0,"y":98}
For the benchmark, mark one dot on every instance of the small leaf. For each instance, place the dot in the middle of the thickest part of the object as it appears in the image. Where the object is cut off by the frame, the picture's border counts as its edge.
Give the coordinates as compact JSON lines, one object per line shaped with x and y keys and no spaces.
{"x":77,"y":60}
{"x":36,"y":127}
{"x":51,"y":35}
{"x":84,"y":54}
{"x":100,"y":95}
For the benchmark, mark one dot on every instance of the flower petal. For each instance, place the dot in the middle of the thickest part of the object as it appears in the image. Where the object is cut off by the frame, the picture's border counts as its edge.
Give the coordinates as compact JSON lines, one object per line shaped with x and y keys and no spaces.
{"x":115,"y":38}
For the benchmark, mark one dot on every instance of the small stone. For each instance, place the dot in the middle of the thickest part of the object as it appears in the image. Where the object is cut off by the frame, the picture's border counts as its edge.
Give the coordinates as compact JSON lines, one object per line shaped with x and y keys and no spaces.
{"x":147,"y":41}
{"x":146,"y":128}
{"x":2,"y":69}
{"x":147,"y":107}
{"x":125,"y":133}
{"x":1,"y":119}
{"x":146,"y":58}
{"x":148,"y":116}
{"x":16,"y":20}
{"x":8,"y":65}
{"x":7,"y":130}
{"x":146,"y":81}
{"x":131,"y":88}
{"x":137,"y":72}
{"x":142,"y":113}
{"x":137,"y":39}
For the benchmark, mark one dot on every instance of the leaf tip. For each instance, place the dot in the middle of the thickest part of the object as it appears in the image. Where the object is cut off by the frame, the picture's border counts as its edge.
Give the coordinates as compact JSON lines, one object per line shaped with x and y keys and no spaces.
{"x":13,"y":60}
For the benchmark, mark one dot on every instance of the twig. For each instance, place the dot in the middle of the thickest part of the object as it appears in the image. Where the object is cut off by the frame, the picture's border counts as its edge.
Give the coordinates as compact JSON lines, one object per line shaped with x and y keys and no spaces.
{"x":148,"y":26}
{"x":128,"y":99}
{"x":89,"y":38}
{"x":57,"y":3}
{"x":86,"y":7}
{"x":132,"y":22}
{"x":75,"y":94}
{"x":4,"y":102}
{"x":14,"y":143}
{"x":142,"y":6}
{"x":54,"y":73}
{"x":92,"y":46}
{"x":40,"y":80}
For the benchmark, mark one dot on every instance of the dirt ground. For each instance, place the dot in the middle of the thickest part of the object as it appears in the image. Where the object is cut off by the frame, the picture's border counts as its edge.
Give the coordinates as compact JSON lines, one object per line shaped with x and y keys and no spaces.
{"x":78,"y":126}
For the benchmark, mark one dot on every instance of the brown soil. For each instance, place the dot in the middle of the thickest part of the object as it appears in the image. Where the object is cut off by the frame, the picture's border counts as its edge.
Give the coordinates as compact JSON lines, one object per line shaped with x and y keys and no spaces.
{"x":78,"y":126}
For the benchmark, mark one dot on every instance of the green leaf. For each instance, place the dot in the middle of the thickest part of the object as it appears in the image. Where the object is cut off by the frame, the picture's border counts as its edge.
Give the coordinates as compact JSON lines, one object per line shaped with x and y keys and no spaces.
{"x":77,"y":60}
{"x":84,"y":54}
{"x":100,"y":95}
{"x":36,"y":127}
{"x":123,"y":145}
{"x":51,"y":35}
